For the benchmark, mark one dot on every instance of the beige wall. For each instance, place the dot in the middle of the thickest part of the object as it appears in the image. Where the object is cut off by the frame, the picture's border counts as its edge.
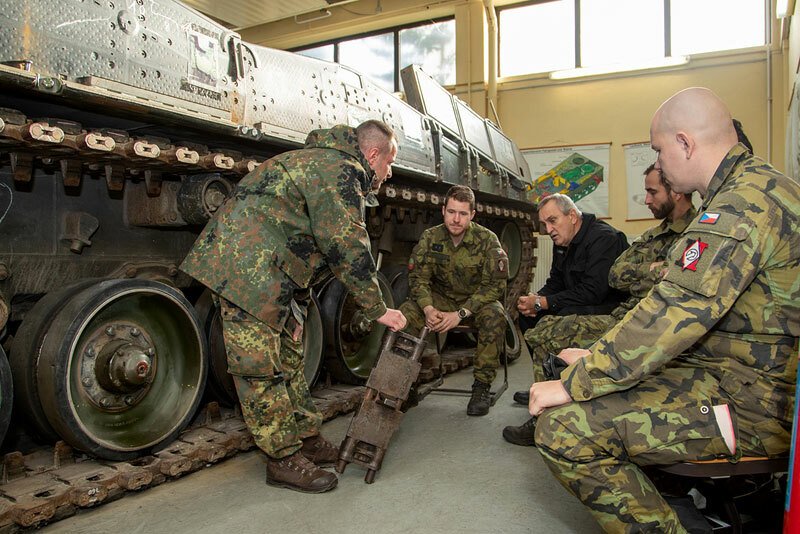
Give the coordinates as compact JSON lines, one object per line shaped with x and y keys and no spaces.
{"x":537,"y":112}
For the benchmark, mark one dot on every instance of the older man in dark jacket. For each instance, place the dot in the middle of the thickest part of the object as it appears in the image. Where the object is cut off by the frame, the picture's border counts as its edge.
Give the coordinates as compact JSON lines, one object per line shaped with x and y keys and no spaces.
{"x":584,"y":249}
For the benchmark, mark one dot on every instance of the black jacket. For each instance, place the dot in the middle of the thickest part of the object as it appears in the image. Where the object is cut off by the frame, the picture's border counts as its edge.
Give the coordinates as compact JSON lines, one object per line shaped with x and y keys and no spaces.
{"x":578,"y":282}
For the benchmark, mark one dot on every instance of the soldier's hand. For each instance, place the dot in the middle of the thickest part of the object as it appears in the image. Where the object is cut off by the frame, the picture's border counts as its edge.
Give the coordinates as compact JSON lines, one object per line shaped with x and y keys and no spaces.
{"x":547,"y":395}
{"x":394,"y":319}
{"x":525,"y":305}
{"x":572,"y":355}
{"x":449,"y":320}
{"x":433,"y":318}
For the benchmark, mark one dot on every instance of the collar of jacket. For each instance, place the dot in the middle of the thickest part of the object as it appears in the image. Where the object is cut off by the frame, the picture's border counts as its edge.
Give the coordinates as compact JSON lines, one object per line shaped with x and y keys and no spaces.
{"x":724,"y":171}
{"x":679,"y":225}
{"x":586,"y":221}
{"x":344,"y":139}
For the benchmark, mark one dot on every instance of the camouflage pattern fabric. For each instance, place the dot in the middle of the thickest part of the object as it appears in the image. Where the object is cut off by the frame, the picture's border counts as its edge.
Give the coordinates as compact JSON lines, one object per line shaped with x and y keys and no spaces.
{"x":553,"y":333}
{"x":720,"y":329}
{"x":267,"y":369}
{"x":471,"y":275}
{"x":630,"y":273}
{"x":290,"y":222}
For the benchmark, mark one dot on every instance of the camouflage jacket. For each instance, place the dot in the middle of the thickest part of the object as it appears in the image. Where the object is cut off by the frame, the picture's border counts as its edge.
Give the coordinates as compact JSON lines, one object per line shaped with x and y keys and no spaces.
{"x":287,"y":223}
{"x":631,"y":271}
{"x":474,"y":273}
{"x":729,"y":304}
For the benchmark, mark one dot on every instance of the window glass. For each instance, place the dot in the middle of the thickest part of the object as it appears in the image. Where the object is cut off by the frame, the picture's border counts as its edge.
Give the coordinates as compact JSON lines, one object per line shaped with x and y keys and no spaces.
{"x":372,"y":56}
{"x":319,"y":52}
{"x":432,"y":47}
{"x":616,"y":31}
{"x":710,"y":25}
{"x":537,"y":38}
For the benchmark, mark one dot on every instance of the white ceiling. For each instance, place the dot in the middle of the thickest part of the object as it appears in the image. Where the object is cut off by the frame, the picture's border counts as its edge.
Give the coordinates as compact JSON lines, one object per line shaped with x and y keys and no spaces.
{"x":239,"y":14}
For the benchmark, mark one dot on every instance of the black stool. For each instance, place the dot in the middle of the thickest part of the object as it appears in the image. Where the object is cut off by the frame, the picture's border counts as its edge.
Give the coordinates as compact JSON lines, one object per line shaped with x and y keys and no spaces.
{"x":720,"y":470}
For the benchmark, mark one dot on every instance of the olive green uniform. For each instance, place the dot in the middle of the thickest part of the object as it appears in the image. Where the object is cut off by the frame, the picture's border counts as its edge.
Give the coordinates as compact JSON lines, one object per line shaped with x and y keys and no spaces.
{"x":630,"y":274}
{"x":471,"y":275}
{"x":289,"y":223}
{"x":720,"y":329}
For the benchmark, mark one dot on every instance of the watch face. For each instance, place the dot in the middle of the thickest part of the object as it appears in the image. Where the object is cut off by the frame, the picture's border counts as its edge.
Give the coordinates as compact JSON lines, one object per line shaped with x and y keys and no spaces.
{"x":462,"y":313}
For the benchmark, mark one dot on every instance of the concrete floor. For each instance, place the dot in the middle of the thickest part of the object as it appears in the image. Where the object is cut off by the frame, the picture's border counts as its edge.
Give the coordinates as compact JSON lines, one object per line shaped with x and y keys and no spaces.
{"x":444,"y":472}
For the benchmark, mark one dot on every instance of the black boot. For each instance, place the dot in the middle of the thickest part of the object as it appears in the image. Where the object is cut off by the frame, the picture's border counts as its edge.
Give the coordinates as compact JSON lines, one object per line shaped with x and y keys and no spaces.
{"x":521,"y":435}
{"x":481,"y":399}
{"x":522,"y":397}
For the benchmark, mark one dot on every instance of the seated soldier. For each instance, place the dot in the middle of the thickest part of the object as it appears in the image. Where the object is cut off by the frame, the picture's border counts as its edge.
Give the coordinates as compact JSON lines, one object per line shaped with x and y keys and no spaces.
{"x":583,"y":251}
{"x":457,"y":273}
{"x":634,"y":272}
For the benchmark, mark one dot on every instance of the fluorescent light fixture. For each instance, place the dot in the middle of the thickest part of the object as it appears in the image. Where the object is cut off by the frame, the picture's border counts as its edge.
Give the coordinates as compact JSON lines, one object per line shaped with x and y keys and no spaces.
{"x":784,"y":8}
{"x":580,"y":72}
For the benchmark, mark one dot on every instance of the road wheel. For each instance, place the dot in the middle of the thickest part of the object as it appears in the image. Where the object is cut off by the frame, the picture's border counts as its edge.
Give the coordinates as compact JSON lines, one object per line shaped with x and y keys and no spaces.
{"x":352,"y":343}
{"x":122,"y":368}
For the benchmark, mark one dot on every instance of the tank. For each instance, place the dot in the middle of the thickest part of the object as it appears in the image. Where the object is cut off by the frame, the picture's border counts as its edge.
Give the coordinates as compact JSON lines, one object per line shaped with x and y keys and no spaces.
{"x":124,"y":126}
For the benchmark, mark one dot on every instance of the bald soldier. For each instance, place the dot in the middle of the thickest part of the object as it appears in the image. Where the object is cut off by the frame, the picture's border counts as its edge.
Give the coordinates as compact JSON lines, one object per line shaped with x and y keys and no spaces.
{"x":704,"y":366}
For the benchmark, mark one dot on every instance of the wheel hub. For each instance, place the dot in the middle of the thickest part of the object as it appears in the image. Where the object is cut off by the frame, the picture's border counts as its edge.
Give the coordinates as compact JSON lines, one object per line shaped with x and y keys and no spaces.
{"x":118,"y":365}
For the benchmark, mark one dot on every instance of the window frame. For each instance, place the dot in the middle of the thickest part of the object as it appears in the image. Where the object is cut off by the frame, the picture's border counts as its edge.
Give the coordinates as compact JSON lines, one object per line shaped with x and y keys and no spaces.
{"x":395,"y":30}
{"x":577,"y":33}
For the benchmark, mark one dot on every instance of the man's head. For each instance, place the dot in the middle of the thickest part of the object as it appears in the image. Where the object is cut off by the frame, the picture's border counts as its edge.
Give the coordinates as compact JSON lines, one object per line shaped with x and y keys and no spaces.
{"x":560,"y":217}
{"x":662,"y":201}
{"x":379,"y":146}
{"x":691,"y":132}
{"x":458,"y":210}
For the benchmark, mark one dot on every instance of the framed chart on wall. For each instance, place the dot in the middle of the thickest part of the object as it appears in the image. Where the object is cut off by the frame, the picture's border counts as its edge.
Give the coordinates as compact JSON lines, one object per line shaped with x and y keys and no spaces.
{"x":638,"y":156}
{"x":579,"y":171}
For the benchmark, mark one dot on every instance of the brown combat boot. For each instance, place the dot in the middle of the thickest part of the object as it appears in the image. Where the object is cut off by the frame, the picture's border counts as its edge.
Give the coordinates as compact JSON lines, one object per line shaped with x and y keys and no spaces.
{"x":298,"y":473}
{"x":320,"y":451}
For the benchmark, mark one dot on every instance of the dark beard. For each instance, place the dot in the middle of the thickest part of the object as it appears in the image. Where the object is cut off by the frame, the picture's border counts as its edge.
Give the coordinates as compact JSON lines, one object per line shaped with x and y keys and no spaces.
{"x":665,"y":209}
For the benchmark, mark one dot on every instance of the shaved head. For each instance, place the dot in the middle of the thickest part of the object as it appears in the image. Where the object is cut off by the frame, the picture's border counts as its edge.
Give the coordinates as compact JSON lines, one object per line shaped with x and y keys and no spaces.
{"x":692,"y":132}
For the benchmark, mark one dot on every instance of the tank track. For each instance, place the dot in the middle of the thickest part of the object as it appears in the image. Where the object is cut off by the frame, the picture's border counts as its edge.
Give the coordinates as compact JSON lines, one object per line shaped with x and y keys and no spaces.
{"x":54,"y":483}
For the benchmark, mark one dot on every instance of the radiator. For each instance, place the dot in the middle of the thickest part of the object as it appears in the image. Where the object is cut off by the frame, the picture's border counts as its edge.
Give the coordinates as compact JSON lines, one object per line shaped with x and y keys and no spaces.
{"x":544,"y":255}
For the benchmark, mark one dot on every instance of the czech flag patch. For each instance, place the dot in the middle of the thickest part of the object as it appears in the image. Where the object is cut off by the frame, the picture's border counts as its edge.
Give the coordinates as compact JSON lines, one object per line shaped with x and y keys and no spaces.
{"x":692,"y":253}
{"x":709,"y":218}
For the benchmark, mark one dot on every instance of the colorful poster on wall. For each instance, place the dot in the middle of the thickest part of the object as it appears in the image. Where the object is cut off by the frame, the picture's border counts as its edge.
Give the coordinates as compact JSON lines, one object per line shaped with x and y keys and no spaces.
{"x":638,"y":156}
{"x":581,"y":172}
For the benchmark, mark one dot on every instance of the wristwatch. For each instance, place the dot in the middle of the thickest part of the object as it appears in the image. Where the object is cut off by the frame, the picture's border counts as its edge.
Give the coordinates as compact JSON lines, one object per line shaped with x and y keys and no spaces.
{"x":463,"y":313}
{"x":537,"y":304}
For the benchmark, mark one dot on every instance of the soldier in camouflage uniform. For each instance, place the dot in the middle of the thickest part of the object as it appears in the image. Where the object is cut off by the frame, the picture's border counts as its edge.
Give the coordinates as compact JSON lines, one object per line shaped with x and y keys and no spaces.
{"x":634,"y":273}
{"x":457,"y":273}
{"x":705,"y":366}
{"x":289,"y":223}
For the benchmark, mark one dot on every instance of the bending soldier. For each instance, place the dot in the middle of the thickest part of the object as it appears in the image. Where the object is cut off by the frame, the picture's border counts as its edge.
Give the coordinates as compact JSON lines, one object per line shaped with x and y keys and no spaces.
{"x":705,"y":365}
{"x":457,"y":273}
{"x":290,"y":222}
{"x":633,"y":273}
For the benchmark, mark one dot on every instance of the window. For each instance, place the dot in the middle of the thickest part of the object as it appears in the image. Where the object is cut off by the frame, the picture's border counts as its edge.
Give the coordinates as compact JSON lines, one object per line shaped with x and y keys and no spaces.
{"x":373,"y":56}
{"x":527,"y":31}
{"x":711,"y":25}
{"x":546,"y":35}
{"x":381,"y":55}
{"x":432,"y":47}
{"x":324,"y":52}
{"x":613,"y":31}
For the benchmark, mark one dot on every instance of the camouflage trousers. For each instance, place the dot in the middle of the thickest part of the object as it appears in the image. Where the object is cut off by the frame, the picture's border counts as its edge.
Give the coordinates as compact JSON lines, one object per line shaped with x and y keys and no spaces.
{"x":553,"y":333}
{"x":489,"y":320}
{"x":267,"y":370}
{"x":595,"y":448}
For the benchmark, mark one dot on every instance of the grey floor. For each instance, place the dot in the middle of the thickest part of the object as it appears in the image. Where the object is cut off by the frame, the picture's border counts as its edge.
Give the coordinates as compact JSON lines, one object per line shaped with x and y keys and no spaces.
{"x":444,"y":472}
